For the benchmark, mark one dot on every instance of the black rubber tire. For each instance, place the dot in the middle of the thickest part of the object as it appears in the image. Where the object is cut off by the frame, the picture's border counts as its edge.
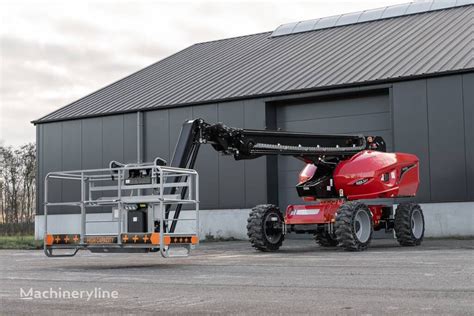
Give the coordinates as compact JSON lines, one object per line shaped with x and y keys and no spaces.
{"x":324,"y":239}
{"x":403,"y":225}
{"x":345,"y":226}
{"x":256,"y":228}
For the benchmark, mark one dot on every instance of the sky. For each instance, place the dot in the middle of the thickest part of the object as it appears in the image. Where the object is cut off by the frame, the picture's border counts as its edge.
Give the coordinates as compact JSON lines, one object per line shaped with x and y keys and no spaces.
{"x":53,"y":52}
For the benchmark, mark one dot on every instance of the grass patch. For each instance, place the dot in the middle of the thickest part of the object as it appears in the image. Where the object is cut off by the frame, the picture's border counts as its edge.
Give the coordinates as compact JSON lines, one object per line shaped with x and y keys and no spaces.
{"x":20,"y":242}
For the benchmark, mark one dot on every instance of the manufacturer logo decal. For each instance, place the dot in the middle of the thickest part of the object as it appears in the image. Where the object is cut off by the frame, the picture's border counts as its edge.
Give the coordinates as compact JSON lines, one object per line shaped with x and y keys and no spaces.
{"x":314,"y":211}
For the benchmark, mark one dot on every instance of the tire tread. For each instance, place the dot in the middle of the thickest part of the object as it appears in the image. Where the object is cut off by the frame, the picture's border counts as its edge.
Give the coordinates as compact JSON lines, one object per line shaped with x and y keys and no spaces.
{"x":255,"y":228}
{"x":344,"y":231}
{"x":403,"y":229}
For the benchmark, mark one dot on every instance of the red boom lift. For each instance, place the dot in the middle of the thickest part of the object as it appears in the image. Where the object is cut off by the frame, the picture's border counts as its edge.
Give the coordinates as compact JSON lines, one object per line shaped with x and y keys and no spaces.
{"x":351,"y":182}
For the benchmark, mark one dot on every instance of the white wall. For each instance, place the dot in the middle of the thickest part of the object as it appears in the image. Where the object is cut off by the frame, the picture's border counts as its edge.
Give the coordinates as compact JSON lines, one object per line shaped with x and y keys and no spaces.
{"x":441,"y":219}
{"x":449,"y":219}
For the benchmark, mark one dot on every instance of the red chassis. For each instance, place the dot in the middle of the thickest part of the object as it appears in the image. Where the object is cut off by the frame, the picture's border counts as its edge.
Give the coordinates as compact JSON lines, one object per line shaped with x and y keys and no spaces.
{"x":350,"y":184}
{"x":368,"y":175}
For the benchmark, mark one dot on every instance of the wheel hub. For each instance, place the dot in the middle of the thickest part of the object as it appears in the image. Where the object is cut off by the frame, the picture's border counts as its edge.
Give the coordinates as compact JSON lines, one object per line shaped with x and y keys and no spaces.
{"x":272,"y":228}
{"x":416,"y":223}
{"x":362,"y":226}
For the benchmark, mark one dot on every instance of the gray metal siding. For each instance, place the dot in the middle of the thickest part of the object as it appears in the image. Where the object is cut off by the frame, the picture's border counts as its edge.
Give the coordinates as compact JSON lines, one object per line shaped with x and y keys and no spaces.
{"x":176,"y":118}
{"x":112,"y":139}
{"x":156,"y":135}
{"x":71,"y":160}
{"x":207,"y":162}
{"x":94,"y":142}
{"x":77,"y":144}
{"x":360,"y":114}
{"x":446,"y":143}
{"x":258,"y":65}
{"x":468,"y":98}
{"x":224,"y":182}
{"x":130,"y":137}
{"x":231,"y":173}
{"x":255,"y":170}
{"x":91,"y":143}
{"x":434,"y":119}
{"x":410,"y":117}
{"x":52,"y":157}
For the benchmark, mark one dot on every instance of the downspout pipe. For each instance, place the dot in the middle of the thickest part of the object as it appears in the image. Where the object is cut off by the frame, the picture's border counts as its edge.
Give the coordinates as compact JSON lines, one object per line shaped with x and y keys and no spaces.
{"x":139,"y":137}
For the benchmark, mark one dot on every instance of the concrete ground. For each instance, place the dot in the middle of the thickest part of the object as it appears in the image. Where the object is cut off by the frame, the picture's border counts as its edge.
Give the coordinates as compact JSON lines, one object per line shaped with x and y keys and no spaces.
{"x":229,"y":277}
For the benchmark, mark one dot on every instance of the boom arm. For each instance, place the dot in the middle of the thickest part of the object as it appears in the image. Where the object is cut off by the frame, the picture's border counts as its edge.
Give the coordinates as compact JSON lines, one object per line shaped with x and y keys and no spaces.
{"x":250,"y":144}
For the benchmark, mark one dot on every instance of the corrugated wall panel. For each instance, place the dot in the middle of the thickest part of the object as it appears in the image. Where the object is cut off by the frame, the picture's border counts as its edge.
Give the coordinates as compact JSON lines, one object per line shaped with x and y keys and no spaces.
{"x":255,"y":170}
{"x":91,"y":143}
{"x":51,"y":159}
{"x":112,"y":139}
{"x":468,"y":98}
{"x":446,"y":139}
{"x":71,"y":160}
{"x":130,"y":138}
{"x":207,"y":162}
{"x":177,"y":117}
{"x":156,"y":135}
{"x":410,"y":126}
{"x":231,"y":173}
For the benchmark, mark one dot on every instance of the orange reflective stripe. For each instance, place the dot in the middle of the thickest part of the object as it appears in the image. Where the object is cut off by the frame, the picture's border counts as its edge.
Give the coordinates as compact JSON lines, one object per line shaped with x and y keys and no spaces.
{"x":194,"y":240}
{"x":155,"y":238}
{"x":167,"y":240}
{"x":48,"y":240}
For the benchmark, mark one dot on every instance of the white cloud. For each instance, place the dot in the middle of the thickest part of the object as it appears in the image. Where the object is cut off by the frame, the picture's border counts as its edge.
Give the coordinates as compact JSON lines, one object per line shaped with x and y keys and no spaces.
{"x":54,"y":51}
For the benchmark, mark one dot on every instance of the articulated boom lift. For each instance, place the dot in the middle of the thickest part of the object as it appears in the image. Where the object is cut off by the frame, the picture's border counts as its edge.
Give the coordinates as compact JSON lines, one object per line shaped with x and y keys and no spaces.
{"x":349,"y":183}
{"x":349,"y":180}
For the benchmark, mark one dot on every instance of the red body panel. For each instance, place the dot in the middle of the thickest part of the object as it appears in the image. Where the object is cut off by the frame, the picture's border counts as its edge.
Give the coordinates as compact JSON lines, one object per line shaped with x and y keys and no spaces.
{"x":370,"y":166}
{"x":322,"y":212}
{"x":366,"y":175}
{"x":319,"y":213}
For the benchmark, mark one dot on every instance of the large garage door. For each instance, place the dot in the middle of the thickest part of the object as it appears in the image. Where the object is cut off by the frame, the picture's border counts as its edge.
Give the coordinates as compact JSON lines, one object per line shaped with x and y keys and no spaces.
{"x":368,"y":115}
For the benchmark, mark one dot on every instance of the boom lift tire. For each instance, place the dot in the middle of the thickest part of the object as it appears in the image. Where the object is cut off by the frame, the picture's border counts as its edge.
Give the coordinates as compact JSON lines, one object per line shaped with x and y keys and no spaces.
{"x":324,"y":239}
{"x":354,"y":226}
{"x":265,"y":227}
{"x":409,"y":224}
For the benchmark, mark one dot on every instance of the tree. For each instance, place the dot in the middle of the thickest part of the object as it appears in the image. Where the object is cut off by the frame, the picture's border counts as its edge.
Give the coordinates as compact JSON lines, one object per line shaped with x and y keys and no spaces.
{"x":17,"y":183}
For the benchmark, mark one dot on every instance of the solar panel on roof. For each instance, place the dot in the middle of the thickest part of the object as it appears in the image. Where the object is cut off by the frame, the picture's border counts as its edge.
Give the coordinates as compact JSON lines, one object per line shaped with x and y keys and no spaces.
{"x":349,"y":18}
{"x":326,"y":22}
{"x":395,"y":10}
{"x":371,"y":15}
{"x":284,"y":29}
{"x":305,"y":26}
{"x":438,"y":5}
{"x":418,"y":7}
{"x":368,"y":15}
{"x":463,"y":2}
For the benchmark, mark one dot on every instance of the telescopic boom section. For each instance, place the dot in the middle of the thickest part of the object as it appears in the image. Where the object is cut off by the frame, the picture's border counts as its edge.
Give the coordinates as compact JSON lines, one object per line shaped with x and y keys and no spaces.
{"x":250,"y":144}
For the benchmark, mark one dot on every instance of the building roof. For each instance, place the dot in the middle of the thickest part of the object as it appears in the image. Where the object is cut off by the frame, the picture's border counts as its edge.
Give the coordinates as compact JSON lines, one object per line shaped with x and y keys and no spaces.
{"x":392,"y":11}
{"x":410,"y":46}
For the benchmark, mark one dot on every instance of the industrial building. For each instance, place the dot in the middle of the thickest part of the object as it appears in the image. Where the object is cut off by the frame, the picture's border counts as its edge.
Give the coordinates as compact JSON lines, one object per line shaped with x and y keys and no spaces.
{"x":403,"y":72}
